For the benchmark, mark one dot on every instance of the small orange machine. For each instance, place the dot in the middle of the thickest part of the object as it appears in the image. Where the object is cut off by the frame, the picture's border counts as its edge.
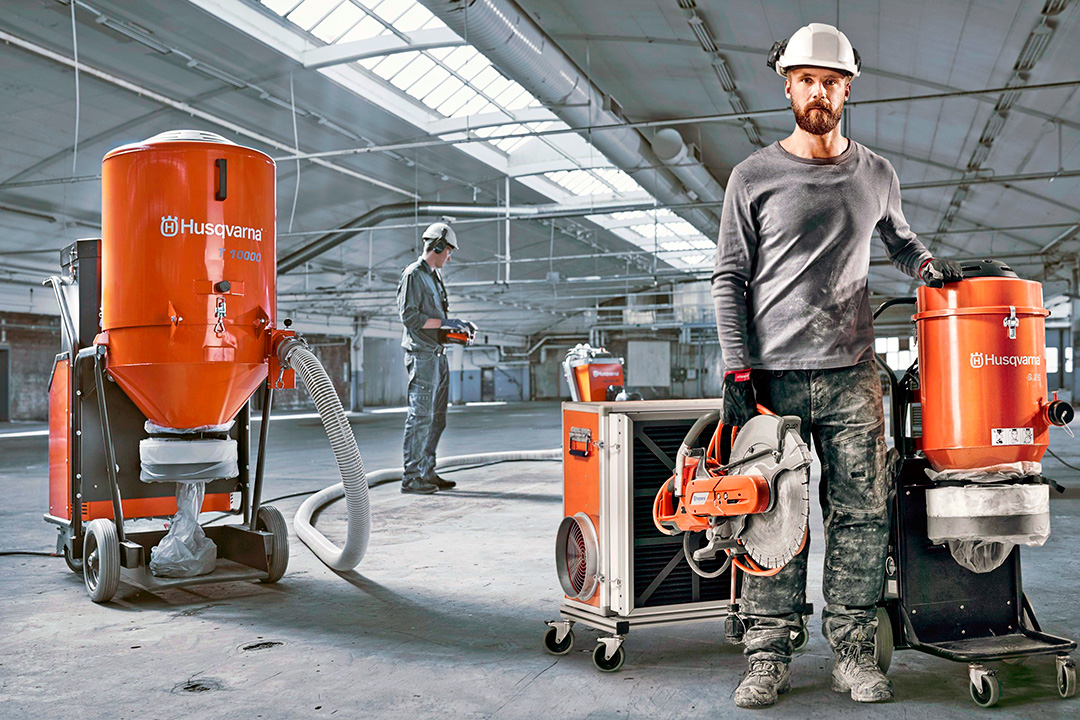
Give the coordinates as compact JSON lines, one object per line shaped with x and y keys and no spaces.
{"x":619,"y":568}
{"x":156,"y":386}
{"x":593,"y":374}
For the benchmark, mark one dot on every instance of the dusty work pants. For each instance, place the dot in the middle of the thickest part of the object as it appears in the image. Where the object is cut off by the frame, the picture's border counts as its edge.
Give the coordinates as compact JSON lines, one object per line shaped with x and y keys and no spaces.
{"x":841,"y":411}
{"x":429,"y":391}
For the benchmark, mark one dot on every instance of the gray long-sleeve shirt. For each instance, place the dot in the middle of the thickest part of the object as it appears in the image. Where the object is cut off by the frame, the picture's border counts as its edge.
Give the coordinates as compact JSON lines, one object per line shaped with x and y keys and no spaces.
{"x":790,"y":283}
{"x":420,"y":295}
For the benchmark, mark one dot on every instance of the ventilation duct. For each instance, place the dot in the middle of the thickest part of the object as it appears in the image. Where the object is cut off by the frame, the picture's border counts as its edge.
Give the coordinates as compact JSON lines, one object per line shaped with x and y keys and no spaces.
{"x":683,"y":161}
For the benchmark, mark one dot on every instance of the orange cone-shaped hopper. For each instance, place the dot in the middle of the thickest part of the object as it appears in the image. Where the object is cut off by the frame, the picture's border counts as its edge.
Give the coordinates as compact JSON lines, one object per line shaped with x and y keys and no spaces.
{"x":188,"y":275}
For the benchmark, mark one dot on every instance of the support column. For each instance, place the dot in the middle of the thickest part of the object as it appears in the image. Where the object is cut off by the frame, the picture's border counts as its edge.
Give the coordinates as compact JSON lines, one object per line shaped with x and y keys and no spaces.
{"x":356,"y":365}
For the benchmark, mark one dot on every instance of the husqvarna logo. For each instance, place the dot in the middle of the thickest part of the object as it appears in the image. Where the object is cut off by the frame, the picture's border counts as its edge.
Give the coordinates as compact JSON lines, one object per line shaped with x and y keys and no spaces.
{"x":169,"y":225}
{"x":979,"y":360}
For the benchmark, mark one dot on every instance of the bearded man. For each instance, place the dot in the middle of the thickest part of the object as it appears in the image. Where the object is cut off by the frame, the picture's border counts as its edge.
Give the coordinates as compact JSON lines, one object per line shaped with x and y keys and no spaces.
{"x":796,"y":333}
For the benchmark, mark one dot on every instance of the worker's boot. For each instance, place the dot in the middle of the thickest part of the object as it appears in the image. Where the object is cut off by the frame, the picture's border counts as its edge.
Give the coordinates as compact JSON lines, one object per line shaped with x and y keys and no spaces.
{"x":855,"y":669}
{"x":418,"y":486}
{"x":764,"y":681}
{"x":440,"y":482}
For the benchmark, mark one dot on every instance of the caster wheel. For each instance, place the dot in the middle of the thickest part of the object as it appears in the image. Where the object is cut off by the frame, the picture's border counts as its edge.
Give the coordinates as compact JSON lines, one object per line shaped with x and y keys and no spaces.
{"x":101,"y":560}
{"x":800,"y":639}
{"x":883,"y":640}
{"x":74,"y":564}
{"x":1066,"y":677}
{"x":270,"y":520}
{"x":606,"y":664}
{"x":987,"y":693}
{"x":558,"y":648}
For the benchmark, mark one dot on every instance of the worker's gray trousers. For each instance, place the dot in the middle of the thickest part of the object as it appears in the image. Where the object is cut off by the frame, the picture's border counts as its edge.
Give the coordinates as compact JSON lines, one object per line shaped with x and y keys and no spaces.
{"x":429,"y":390}
{"x":841,"y":411}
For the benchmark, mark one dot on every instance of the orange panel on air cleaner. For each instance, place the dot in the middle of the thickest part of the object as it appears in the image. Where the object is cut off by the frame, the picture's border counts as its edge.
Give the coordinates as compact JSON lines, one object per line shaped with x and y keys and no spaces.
{"x":59,"y":440}
{"x":156,"y":507}
{"x":581,"y":471}
{"x":188,"y":240}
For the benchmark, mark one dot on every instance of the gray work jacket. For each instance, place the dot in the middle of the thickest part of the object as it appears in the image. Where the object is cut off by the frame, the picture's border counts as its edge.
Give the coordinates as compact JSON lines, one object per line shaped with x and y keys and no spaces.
{"x":421,"y":295}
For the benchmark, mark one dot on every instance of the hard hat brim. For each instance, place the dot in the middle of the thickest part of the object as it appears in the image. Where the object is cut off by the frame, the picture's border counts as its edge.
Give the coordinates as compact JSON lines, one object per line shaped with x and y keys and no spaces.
{"x":848,"y":70}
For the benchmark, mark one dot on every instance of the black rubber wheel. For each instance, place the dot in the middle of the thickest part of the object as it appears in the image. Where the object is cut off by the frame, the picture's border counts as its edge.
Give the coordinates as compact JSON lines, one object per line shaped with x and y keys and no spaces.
{"x":271,"y":520}
{"x":101,"y":560}
{"x":883,"y":640}
{"x":606,"y":664}
{"x":558,"y":648}
{"x":75,"y":565}
{"x":988,"y":693}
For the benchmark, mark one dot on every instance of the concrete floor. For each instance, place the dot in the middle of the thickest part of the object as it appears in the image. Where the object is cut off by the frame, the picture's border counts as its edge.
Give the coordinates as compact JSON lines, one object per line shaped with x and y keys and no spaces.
{"x":443,"y":618}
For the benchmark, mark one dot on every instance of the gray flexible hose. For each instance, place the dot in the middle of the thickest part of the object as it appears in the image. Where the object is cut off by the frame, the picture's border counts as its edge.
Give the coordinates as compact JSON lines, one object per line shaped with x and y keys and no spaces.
{"x":354,"y":483}
{"x":324,"y":549}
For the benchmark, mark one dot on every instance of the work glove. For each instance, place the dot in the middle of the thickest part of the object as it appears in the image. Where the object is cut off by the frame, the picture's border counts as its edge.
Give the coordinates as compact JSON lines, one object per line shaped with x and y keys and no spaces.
{"x":935,"y":272}
{"x":455,"y":325}
{"x":739,"y":402}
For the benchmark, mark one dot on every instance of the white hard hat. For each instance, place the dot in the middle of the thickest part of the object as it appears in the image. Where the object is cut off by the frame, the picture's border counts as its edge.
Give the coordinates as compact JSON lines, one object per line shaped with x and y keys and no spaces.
{"x":441,"y":231}
{"x":816,"y":45}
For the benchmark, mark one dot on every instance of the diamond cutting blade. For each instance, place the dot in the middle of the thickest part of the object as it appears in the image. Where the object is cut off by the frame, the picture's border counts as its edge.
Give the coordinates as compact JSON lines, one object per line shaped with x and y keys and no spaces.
{"x":774,"y":537}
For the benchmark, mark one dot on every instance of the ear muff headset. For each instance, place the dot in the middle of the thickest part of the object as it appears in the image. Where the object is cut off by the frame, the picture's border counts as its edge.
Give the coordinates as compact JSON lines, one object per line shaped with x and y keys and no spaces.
{"x":438,"y":245}
{"x":778,"y":49}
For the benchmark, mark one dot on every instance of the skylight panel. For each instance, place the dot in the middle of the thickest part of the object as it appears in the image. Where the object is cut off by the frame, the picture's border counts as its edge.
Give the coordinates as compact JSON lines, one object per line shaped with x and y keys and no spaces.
{"x":510,"y":93}
{"x":366,"y":29}
{"x":693,"y":260}
{"x":391,"y":65}
{"x":413,"y":19}
{"x":443,"y":92}
{"x":412,"y":72}
{"x":676,"y":246}
{"x":523,"y":101}
{"x":473,"y":67}
{"x":428,"y":82}
{"x":339,"y":22}
{"x":310,"y":12}
{"x":391,"y":10}
{"x":452,"y":105}
{"x":472,"y":107}
{"x":492,"y":88}
{"x":703,"y":244}
{"x":457,"y":57}
{"x":281,"y":7}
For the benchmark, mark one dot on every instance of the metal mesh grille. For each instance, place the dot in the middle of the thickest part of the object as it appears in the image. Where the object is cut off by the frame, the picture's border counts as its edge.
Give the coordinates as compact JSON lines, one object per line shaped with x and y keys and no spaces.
{"x":576,"y":562}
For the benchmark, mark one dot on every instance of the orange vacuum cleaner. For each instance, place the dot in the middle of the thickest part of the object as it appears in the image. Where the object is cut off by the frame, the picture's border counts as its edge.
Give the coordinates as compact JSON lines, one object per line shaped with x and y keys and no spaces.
{"x":971,"y":420}
{"x":169,"y":329}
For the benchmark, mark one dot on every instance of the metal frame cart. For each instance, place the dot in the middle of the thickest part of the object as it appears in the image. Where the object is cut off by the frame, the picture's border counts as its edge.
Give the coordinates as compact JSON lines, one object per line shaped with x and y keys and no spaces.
{"x":936,"y":606}
{"x":94,"y":485}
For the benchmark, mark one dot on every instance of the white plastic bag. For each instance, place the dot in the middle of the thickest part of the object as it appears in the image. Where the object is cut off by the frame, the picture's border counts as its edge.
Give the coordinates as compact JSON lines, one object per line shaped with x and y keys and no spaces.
{"x":990,"y":474}
{"x":187,"y":461}
{"x":185,"y":551}
{"x":980,"y":556}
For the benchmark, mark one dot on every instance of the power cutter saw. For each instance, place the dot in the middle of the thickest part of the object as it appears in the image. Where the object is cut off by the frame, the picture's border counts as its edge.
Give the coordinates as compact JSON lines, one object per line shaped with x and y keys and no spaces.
{"x":749,"y":492}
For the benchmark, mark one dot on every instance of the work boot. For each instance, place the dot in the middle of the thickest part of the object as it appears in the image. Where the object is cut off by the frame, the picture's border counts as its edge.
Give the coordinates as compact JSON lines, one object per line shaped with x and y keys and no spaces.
{"x":855,"y":669}
{"x":417,"y":486}
{"x":764,"y":681}
{"x":441,"y":483}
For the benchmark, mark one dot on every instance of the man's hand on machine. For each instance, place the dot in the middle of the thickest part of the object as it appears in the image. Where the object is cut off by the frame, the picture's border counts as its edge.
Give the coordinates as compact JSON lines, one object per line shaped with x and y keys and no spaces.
{"x":739,"y":402}
{"x":935,"y":272}
{"x":462,"y":326}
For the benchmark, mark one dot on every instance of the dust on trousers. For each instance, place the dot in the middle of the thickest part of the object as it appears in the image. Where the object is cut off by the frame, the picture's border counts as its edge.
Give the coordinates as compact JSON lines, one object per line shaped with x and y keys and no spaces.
{"x":841,"y":411}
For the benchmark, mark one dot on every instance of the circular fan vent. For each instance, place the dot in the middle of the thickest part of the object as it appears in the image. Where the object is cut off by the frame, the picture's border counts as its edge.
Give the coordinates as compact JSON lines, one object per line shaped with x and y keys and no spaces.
{"x":576,"y":557}
{"x":188,"y":136}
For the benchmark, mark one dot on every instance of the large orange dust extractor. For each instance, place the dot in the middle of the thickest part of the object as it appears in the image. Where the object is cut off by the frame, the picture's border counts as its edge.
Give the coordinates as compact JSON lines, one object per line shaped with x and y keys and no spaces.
{"x":982,"y":371}
{"x":176,"y":305}
{"x":188,"y":273}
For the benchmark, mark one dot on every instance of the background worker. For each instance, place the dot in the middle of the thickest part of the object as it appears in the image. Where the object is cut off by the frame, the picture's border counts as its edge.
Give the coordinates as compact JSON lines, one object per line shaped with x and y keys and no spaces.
{"x":796,"y":333}
{"x":423,"y":307}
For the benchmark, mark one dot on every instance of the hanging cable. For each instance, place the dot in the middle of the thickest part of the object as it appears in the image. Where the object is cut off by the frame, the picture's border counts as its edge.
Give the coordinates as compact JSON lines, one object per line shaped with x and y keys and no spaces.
{"x":75,"y":51}
{"x":296,"y":142}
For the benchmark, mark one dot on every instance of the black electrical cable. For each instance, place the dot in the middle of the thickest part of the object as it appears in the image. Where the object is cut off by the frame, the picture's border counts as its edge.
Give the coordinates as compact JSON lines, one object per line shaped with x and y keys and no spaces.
{"x":29,"y":552}
{"x":1071,"y":467}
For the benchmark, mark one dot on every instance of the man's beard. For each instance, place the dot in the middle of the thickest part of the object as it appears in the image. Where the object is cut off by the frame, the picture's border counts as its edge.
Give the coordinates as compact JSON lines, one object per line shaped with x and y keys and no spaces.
{"x":817,"y":123}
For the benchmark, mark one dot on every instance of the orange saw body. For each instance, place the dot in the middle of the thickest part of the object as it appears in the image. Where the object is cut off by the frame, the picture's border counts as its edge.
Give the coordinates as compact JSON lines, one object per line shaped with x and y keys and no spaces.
{"x":703,"y":498}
